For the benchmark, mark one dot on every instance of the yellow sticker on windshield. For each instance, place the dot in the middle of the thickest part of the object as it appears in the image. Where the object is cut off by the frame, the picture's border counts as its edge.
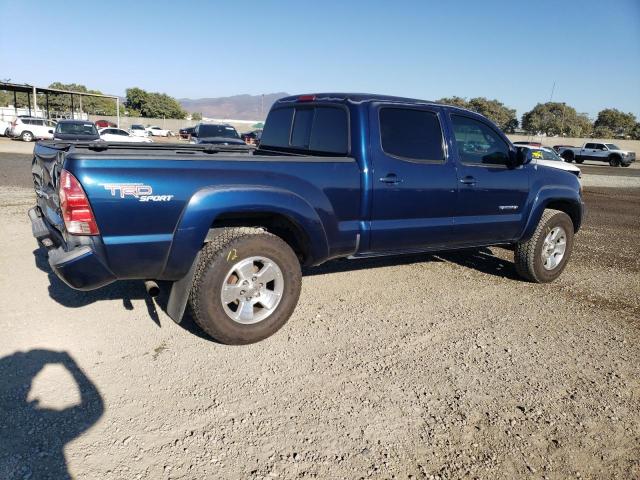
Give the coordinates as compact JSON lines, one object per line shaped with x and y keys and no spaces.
{"x":536,"y":154}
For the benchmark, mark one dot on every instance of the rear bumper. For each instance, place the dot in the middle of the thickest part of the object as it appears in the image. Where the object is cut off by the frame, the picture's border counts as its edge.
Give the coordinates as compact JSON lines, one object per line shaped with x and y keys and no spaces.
{"x":78,"y":266}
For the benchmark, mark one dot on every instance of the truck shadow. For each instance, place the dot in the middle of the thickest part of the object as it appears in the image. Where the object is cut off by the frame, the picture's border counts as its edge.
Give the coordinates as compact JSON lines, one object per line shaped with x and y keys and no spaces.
{"x":125,"y":290}
{"x":482,"y":260}
{"x":33,"y":437}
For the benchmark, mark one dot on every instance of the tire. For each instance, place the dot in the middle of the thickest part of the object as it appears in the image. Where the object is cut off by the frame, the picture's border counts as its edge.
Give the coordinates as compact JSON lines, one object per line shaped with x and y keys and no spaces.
{"x":615,"y":160}
{"x":528,"y":255}
{"x":579,"y":161}
{"x":26,"y":136}
{"x":568,"y":156}
{"x":218,"y":266}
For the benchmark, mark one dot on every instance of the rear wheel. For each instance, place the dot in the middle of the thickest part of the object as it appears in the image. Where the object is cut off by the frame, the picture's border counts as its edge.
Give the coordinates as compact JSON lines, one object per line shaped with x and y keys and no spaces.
{"x":568,"y":156}
{"x":26,"y":136}
{"x":246,"y":286}
{"x":544,"y":256}
{"x":579,"y":160}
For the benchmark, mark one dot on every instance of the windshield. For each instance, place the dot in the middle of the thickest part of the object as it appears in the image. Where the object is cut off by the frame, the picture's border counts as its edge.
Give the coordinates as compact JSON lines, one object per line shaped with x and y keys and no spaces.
{"x":76,"y":128}
{"x":612,"y":146}
{"x":217,"y":131}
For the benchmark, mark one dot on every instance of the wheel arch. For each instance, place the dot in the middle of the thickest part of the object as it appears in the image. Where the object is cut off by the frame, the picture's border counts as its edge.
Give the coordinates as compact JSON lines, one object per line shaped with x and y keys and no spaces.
{"x":281,"y":212}
{"x":564,"y":199}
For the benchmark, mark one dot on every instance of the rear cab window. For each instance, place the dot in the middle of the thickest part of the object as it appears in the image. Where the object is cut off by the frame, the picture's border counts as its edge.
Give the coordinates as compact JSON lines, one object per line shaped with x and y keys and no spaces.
{"x":309,"y":128}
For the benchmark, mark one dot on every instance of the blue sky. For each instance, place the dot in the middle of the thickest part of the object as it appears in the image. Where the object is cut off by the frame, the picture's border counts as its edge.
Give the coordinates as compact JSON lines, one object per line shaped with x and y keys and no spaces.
{"x":510,"y":50}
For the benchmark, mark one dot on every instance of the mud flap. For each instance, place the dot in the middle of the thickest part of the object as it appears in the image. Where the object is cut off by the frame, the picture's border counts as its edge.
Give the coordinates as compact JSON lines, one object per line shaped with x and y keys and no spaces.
{"x":179,"y":295}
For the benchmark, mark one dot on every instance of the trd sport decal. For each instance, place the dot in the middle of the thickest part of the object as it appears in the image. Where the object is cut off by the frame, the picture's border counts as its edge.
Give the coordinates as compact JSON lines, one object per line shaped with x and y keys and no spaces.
{"x":142,"y":192}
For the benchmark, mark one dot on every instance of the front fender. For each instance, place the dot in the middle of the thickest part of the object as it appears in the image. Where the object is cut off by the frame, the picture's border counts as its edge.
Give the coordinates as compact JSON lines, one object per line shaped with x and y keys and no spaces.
{"x":209,"y":203}
{"x":562,"y":197}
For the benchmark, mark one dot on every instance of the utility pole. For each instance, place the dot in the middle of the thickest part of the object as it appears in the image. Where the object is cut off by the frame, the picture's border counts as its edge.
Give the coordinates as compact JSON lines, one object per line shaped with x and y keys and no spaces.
{"x":262,"y":107}
{"x":562,"y":124}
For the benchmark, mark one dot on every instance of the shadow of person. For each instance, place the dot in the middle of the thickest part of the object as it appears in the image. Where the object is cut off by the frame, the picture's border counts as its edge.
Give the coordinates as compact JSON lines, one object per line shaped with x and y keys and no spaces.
{"x":32,"y":438}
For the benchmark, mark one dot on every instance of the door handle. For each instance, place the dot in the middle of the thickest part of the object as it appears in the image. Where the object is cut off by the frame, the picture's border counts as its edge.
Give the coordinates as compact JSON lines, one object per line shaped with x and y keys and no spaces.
{"x":468,"y":180}
{"x":391,"y":179}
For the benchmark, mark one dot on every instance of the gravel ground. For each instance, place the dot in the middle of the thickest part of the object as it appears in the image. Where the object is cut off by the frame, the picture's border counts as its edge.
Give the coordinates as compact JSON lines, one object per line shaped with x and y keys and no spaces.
{"x":414,"y":367}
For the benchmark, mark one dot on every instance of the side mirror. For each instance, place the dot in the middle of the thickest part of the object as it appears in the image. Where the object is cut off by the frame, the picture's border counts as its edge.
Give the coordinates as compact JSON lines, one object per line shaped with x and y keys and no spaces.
{"x":522,"y":156}
{"x":50,"y":131}
{"x":194,"y":134}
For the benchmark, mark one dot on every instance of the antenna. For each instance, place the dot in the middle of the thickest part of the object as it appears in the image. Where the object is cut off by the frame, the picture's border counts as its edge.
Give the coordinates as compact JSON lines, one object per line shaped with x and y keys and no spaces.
{"x":553,"y":89}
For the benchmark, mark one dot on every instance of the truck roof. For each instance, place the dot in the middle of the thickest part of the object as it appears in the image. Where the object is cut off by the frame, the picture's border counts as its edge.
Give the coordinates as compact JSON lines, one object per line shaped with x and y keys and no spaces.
{"x":361,"y":98}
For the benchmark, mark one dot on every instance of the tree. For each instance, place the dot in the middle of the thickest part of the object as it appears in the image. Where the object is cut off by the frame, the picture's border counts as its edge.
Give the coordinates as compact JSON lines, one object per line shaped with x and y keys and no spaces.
{"x":494,"y":110}
{"x":612,"y":122}
{"x":150,"y":104}
{"x":61,"y":102}
{"x":554,"y":118}
{"x":455,"y":101}
{"x":196,"y":116}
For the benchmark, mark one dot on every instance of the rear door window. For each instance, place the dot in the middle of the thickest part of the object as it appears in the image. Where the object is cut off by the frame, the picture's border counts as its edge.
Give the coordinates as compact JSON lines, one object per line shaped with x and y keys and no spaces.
{"x":411,"y":134}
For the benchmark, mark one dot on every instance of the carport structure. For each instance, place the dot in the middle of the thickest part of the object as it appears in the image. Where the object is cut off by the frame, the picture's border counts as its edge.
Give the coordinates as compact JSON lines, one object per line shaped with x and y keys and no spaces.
{"x":32,"y":96}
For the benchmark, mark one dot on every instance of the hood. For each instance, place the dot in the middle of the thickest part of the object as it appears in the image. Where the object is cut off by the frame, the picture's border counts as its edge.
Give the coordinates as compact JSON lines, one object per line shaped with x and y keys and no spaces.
{"x":220,"y":140}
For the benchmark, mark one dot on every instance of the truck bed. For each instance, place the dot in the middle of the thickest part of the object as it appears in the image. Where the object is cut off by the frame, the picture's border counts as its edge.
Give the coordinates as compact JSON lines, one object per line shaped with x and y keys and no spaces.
{"x":151,"y":187}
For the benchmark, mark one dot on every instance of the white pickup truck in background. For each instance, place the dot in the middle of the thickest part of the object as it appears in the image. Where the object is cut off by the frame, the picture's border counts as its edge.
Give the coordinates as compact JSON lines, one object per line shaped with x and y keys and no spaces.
{"x":603,"y":152}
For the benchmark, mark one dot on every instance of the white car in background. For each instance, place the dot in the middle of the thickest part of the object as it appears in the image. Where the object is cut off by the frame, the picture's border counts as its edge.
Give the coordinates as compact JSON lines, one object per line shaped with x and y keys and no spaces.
{"x":5,"y":125}
{"x":111,"y":134}
{"x":549,"y":158}
{"x":138,"y":131}
{"x":159,"y":132}
{"x":31,"y":128}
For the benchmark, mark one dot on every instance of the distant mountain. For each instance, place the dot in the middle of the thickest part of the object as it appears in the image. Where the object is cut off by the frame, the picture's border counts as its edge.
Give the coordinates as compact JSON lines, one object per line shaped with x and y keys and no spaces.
{"x":237,"y":107}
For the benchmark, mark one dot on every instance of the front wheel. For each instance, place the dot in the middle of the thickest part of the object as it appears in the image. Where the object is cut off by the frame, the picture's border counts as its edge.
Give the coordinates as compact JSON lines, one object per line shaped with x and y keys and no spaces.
{"x":246,"y":286}
{"x":544,"y":256}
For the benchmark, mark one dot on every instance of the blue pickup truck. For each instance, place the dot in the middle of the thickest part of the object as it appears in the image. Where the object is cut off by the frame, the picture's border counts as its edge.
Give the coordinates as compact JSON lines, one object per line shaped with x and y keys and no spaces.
{"x":335,"y":175}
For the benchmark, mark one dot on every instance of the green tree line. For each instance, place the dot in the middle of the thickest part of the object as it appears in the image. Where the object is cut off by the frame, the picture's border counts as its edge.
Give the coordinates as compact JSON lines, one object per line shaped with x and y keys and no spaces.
{"x":138,"y":102}
{"x":553,"y":119}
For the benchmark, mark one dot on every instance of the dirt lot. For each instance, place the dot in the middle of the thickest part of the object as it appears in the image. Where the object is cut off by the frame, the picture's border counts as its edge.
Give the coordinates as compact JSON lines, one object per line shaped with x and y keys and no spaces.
{"x":414,"y":367}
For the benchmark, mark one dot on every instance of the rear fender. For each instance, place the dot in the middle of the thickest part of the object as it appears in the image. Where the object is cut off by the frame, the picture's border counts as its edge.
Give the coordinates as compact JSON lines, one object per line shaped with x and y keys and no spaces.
{"x":209,"y":203}
{"x":564,"y":198}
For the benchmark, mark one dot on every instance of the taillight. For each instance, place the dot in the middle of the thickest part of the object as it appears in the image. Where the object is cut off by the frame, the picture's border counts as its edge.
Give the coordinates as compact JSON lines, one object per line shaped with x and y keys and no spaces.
{"x":76,"y":211}
{"x":306,"y":98}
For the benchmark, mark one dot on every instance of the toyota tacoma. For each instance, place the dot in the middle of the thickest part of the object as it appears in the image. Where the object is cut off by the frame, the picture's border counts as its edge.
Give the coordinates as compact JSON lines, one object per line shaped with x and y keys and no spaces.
{"x":335,"y":175}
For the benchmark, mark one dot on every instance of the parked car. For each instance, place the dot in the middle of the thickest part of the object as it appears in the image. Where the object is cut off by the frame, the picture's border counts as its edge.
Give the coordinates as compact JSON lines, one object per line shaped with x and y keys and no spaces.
{"x":336,"y":175}
{"x":252,"y":138}
{"x":76,"y":130}
{"x":159,"y":132}
{"x":603,"y":152}
{"x":5,"y":126}
{"x":186,"y":132}
{"x":138,"y":131}
{"x":549,"y":158}
{"x":120,"y":135}
{"x":216,"y":134}
{"x":105,"y":124}
{"x":31,"y":128}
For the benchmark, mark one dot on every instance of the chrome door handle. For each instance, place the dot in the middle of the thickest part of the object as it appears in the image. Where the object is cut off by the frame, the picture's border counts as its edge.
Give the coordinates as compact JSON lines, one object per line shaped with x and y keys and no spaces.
{"x":391,"y":179}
